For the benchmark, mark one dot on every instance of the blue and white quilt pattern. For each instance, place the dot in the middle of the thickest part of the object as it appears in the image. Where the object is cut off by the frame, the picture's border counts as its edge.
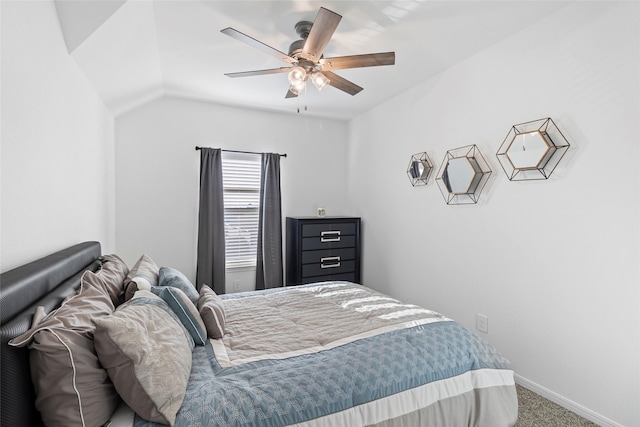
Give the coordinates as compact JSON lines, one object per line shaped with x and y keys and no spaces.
{"x":273,"y":393}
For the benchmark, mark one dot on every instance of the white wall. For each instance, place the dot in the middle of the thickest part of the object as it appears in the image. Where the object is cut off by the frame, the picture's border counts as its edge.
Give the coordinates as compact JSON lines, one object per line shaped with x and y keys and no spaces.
{"x":553,"y":264}
{"x":57,"y":142}
{"x":157,"y":170}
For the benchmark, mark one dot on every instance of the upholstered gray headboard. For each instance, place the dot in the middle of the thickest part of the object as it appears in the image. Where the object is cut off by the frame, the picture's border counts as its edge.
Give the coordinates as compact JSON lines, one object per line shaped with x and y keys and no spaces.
{"x":45,"y":282}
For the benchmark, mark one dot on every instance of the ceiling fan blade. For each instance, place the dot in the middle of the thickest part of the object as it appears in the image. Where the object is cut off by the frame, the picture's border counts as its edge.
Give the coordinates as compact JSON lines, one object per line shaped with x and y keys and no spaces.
{"x":342,"y":83}
{"x":358,"y":61}
{"x":258,"y":44}
{"x":259,"y":72}
{"x":323,"y":28}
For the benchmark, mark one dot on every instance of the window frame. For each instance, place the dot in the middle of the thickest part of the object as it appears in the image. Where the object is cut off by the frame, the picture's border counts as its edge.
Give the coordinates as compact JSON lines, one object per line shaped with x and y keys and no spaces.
{"x":241,"y":178}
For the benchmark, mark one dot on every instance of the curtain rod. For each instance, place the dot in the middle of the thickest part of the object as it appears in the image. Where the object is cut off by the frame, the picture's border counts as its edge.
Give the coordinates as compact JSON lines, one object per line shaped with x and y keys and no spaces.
{"x":238,"y":151}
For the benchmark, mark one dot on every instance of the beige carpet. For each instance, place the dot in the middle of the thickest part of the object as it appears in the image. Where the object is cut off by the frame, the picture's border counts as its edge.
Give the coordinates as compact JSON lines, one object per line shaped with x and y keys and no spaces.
{"x":536,"y":411}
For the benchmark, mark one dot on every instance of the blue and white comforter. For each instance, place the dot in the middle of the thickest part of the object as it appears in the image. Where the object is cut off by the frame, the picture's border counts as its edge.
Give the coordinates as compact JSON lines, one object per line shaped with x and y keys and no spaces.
{"x":391,"y":369}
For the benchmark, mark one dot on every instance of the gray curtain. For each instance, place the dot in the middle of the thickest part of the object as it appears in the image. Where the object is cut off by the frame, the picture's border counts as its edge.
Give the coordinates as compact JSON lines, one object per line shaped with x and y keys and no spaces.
{"x":211,"y":257}
{"x":269,"y":254}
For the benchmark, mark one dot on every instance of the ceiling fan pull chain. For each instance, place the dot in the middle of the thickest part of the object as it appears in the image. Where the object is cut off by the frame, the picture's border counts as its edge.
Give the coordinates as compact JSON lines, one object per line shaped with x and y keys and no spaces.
{"x":300,"y":95}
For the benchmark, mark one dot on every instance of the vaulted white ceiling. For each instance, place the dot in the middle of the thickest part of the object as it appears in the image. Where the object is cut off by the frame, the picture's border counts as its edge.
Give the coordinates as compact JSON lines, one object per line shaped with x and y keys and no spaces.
{"x":134,"y":51}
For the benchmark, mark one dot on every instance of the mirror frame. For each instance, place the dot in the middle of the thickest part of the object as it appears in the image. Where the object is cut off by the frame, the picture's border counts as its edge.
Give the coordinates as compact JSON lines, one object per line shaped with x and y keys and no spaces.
{"x":423,"y":159}
{"x":558,"y":146}
{"x":476,"y":183}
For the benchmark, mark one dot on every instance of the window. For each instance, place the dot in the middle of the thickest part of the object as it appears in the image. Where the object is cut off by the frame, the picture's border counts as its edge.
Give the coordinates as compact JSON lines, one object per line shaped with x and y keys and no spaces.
{"x":241,"y":185}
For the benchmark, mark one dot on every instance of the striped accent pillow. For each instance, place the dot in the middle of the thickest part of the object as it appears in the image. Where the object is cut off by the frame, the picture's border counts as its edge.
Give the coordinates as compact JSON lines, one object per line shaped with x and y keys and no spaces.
{"x":212,"y":312}
{"x":185,"y":310}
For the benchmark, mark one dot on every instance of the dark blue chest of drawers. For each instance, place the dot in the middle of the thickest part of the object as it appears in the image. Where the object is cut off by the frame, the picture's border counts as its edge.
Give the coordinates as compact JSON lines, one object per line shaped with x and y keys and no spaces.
{"x":320,"y":249}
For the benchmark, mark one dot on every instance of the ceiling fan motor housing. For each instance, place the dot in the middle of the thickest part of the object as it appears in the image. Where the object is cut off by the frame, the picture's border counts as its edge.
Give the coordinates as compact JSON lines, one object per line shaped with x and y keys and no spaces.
{"x":302,"y":28}
{"x":295,"y":48}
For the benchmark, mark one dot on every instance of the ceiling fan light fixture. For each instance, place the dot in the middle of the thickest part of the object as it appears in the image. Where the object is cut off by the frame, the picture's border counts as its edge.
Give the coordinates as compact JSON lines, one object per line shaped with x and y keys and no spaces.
{"x":297,"y":76}
{"x":319,"y":80}
{"x":296,"y":89}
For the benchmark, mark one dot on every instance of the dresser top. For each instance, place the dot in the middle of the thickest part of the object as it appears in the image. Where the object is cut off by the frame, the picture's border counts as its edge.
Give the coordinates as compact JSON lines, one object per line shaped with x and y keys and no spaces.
{"x":323,"y":217}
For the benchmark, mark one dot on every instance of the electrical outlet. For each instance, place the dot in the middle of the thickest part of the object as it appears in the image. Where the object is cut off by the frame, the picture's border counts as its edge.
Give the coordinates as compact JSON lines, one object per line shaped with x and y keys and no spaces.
{"x":236,"y":285}
{"x":482,"y":323}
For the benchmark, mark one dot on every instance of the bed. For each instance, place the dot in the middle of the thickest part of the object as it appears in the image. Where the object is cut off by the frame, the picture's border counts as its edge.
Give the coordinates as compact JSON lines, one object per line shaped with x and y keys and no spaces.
{"x":321,"y":354}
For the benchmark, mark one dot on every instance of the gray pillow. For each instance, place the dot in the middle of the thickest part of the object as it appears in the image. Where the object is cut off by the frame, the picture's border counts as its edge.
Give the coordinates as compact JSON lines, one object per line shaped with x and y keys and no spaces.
{"x":147,"y":356}
{"x":185,"y":310}
{"x":142,"y":276}
{"x":113,"y":272}
{"x":171,"y":277}
{"x":70,"y":384}
{"x":212,"y":312}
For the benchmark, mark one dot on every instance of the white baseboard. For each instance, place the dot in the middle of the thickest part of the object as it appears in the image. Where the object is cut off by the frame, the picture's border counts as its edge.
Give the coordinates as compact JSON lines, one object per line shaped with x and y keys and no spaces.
{"x":566,"y":403}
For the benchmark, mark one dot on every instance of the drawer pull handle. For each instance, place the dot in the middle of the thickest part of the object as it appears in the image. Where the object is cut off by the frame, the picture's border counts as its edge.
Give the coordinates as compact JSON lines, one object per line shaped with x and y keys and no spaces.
{"x":334,"y":236}
{"x":330,"y":258}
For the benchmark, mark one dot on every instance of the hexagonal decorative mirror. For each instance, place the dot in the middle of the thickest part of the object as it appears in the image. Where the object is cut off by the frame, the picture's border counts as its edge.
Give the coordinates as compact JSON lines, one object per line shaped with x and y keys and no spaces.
{"x":462,"y":175}
{"x":532,"y":150}
{"x":419,"y":169}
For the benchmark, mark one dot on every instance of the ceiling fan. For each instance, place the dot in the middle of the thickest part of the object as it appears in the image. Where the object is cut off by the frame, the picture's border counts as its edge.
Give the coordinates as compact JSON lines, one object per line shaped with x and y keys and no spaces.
{"x":306,"y":56}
